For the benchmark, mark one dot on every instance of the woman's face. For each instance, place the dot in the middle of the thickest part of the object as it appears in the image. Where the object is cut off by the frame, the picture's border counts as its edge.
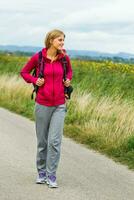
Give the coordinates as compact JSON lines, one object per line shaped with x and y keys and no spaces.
{"x":58,"y":42}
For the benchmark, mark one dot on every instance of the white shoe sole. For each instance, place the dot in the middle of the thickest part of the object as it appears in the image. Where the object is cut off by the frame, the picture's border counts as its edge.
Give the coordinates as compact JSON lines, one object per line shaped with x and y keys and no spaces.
{"x":37,"y":182}
{"x":50,"y":185}
{"x":41,"y":181}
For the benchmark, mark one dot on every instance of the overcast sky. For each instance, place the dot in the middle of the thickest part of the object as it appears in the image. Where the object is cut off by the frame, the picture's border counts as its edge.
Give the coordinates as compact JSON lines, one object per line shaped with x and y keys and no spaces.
{"x":102,"y":25}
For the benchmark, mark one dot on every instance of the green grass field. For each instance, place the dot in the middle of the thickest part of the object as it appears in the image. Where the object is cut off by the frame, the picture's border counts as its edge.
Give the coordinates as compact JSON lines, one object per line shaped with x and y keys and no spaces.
{"x":101,"y":111}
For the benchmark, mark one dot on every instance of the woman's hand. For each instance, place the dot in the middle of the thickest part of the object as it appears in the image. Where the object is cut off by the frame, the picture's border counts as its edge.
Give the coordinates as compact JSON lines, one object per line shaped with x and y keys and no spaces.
{"x":40,"y":81}
{"x":67,"y":82}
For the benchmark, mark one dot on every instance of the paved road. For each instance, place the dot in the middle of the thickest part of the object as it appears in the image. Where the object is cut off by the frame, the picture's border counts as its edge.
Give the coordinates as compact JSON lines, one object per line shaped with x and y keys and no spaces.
{"x":82,"y":174}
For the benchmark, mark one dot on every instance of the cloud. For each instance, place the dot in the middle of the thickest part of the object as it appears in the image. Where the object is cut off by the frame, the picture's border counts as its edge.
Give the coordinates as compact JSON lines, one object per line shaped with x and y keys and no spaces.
{"x":92,"y":25}
{"x":119,"y":13}
{"x":100,"y":41}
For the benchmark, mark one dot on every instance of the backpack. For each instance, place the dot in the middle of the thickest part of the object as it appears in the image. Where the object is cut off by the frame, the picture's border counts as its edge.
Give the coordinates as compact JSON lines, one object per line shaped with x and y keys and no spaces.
{"x":41,"y":65}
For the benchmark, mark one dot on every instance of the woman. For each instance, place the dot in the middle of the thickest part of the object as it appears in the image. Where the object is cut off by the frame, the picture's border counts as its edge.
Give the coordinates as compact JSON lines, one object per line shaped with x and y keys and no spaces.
{"x":50,"y":107}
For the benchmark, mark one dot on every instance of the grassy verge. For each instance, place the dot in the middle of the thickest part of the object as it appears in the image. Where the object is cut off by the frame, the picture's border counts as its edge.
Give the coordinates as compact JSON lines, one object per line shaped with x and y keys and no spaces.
{"x":105,"y":124}
{"x":15,"y":95}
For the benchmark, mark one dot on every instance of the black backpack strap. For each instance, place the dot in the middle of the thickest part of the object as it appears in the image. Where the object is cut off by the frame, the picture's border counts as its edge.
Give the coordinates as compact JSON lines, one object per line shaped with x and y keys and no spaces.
{"x":64,"y":64}
{"x":41,"y":64}
{"x":67,"y":90}
{"x":40,"y":58}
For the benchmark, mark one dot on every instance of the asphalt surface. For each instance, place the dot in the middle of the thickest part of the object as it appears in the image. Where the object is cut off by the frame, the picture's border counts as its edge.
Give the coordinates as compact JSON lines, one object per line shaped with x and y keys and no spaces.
{"x":82,"y":174}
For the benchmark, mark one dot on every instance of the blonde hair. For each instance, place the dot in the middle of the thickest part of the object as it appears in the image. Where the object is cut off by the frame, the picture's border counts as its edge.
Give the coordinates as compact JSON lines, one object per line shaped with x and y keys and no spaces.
{"x":51,"y":35}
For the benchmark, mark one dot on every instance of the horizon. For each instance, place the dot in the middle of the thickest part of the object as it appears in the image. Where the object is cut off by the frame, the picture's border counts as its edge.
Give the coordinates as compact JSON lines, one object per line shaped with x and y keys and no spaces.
{"x":96,"y":51}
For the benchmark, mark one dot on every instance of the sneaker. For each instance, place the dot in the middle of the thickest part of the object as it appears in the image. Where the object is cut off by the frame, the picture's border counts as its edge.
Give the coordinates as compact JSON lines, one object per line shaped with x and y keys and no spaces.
{"x":41,"y":177}
{"x":51,"y":181}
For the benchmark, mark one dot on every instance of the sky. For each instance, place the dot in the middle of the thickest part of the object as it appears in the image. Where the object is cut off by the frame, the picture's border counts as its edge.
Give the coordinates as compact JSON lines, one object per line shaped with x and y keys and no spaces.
{"x":94,"y":25}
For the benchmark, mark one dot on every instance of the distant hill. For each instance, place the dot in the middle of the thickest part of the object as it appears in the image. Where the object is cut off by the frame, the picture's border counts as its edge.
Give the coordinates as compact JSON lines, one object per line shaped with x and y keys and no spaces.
{"x":97,"y":54}
{"x":72,"y":53}
{"x":13,"y":48}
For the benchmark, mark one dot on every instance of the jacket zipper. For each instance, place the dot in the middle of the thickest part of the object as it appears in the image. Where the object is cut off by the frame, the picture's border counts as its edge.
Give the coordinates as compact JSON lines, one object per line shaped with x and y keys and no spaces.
{"x":53,"y":82}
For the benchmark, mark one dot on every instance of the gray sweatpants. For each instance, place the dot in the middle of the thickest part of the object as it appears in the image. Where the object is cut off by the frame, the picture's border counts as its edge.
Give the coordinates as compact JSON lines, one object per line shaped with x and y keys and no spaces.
{"x":49,"y":131}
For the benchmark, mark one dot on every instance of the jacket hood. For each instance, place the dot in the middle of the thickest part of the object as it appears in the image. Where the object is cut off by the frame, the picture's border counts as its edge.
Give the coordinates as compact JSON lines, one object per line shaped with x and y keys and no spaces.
{"x":60,"y":55}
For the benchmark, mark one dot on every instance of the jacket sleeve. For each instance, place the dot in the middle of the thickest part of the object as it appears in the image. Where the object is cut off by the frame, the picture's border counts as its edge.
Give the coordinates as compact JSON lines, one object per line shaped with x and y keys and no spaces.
{"x":69,"y":72}
{"x":28,"y":67}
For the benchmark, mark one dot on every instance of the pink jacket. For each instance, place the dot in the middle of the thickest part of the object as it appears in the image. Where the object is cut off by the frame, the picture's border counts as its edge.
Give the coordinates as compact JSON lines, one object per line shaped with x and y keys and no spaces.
{"x":52,"y":92}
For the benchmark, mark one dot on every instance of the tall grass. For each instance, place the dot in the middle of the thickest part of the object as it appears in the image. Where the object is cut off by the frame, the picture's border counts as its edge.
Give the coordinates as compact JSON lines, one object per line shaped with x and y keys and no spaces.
{"x":15,"y":95}
{"x":104,"y":124}
{"x":111,"y":119}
